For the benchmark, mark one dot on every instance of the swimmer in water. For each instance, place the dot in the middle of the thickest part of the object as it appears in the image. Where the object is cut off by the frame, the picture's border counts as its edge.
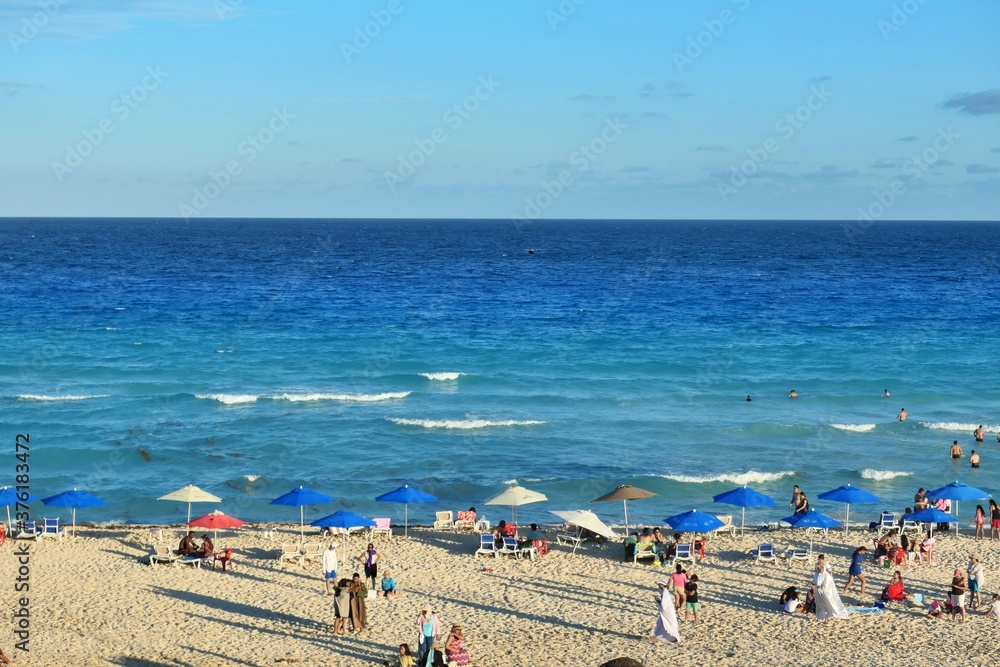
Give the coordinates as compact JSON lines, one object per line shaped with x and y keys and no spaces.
{"x":956,"y":450}
{"x":979,"y":433}
{"x":902,"y":415}
{"x":885,"y":393}
{"x":749,"y":399}
{"x":974,"y":459}
{"x":793,"y":394}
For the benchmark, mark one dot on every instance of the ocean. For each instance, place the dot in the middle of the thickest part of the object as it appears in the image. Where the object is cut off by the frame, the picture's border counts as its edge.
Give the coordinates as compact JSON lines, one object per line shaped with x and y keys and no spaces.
{"x":352,"y":356}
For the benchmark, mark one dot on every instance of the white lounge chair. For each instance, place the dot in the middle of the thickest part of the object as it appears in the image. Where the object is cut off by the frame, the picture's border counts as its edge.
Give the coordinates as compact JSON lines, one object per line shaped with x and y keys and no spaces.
{"x":445,"y":520}
{"x":162,"y":554}
{"x":52,"y":529}
{"x":383,"y":526}
{"x":289,"y":552}
{"x":764,"y":553}
{"x":487,"y":546}
{"x":799,"y":554}
{"x":26,"y":530}
{"x":644,"y":550}
{"x":310,"y":552}
{"x":466,"y":520}
{"x":887,"y":524}
{"x":685,"y":553}
{"x":727,"y":527}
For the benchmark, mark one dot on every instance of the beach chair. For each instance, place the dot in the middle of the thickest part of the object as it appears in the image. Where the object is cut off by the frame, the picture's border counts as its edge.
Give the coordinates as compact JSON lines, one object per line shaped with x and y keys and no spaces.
{"x":310,"y":552}
{"x":445,"y":520}
{"x":289,"y":552}
{"x":799,"y":554}
{"x":487,"y":546}
{"x":764,"y":553}
{"x":27,"y":530}
{"x":644,"y":550}
{"x":162,"y":554}
{"x":685,"y":553}
{"x":482,"y":525}
{"x":510,"y":547}
{"x":569,"y":540}
{"x":466,"y":520}
{"x":225,"y":557}
{"x":52,"y":529}
{"x":383,"y":526}
{"x":196,"y":561}
{"x":727,"y":527}
{"x":911,"y":527}
{"x":887,"y":524}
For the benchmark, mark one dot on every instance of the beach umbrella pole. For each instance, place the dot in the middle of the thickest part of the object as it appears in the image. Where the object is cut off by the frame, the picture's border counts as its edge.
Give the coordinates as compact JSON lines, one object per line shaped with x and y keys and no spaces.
{"x":847,"y":521}
{"x":625,"y":503}
{"x":743,"y":520}
{"x":406,"y":519}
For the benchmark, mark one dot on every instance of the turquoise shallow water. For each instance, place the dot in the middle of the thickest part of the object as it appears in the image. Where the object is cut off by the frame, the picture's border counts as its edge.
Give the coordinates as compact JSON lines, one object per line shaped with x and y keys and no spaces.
{"x":252,"y":356}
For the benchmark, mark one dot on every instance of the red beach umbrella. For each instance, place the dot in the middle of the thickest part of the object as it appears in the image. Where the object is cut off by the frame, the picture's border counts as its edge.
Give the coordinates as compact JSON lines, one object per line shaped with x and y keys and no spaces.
{"x":216,"y":521}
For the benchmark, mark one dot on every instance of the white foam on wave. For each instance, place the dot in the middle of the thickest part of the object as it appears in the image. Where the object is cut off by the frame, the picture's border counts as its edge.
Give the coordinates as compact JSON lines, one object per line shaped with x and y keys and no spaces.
{"x":883,"y":475}
{"x":856,"y":428}
{"x":442,"y":376}
{"x":462,"y":423}
{"x":229,"y":399}
{"x":111,"y":328}
{"x":740,"y":478}
{"x":69,"y":397}
{"x":251,"y":478}
{"x":509,"y":482}
{"x":361,"y":398}
{"x":958,"y":426}
{"x":223,"y":351}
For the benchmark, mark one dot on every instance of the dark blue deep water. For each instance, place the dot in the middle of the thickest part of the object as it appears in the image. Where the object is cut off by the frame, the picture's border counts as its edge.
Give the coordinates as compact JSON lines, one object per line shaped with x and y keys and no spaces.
{"x":251,"y":356}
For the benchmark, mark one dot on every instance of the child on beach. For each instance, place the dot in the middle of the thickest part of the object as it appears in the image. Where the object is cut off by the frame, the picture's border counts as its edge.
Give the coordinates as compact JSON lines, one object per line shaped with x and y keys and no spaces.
{"x":976,"y":581}
{"x":856,"y":571}
{"x":691,"y":597}
{"x":679,"y":580}
{"x":994,"y":610}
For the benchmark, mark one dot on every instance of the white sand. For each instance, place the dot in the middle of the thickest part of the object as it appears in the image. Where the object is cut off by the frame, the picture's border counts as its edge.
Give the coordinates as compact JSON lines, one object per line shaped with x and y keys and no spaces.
{"x":94,"y":601}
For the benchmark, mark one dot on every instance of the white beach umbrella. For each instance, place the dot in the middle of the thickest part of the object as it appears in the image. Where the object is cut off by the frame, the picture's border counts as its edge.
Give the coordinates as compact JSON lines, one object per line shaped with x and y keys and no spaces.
{"x":191,"y":494}
{"x":585,"y":520}
{"x":516,"y":496}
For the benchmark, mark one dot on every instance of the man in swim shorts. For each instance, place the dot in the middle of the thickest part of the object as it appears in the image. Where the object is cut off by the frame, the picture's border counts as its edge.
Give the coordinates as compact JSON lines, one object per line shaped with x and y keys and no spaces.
{"x":974,"y":459}
{"x":956,"y":450}
{"x":902,"y":415}
{"x":979,"y":433}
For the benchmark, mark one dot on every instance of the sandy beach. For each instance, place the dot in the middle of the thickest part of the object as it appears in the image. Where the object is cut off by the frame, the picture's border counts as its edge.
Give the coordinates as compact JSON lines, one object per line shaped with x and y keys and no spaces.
{"x":95,"y":601}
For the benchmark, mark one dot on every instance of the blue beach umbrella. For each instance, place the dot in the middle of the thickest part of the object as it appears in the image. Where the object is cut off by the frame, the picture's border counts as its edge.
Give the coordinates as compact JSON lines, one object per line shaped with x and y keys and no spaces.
{"x":694,"y":522}
{"x":301,"y":497}
{"x":75,"y":500}
{"x":847,"y":493}
{"x":931,"y":515}
{"x":406,"y":494}
{"x":744,"y":497}
{"x":811,"y":519}
{"x":345,"y":519}
{"x":8,"y":497}
{"x":957,"y":491}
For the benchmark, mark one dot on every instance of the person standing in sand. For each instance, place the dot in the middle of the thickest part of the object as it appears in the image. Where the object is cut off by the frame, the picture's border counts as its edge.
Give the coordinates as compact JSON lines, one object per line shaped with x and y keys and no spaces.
{"x":956,"y":450}
{"x":902,"y":415}
{"x":666,"y":623}
{"x":429,"y":630}
{"x":359,"y":608}
{"x":330,"y":567}
{"x":979,"y":433}
{"x":976,"y":581}
{"x":370,"y":560}
{"x":341,"y":607}
{"x":828,"y":603}
{"x":994,"y":520}
{"x":958,"y":588}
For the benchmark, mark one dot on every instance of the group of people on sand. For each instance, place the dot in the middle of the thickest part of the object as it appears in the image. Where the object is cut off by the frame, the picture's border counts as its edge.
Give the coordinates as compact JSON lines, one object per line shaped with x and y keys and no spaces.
{"x":430,"y":651}
{"x":189,"y":546}
{"x":350,"y":595}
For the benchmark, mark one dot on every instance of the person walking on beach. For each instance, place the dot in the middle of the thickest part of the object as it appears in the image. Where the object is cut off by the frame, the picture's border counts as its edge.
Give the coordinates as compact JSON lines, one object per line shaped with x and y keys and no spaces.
{"x":902,"y":415}
{"x":958,"y":588}
{"x":691,"y":598}
{"x":857,"y":570}
{"x":974,"y":459}
{"x":666,"y":622}
{"x":980,"y":522}
{"x":330,"y":567}
{"x":679,"y":582}
{"x":979,"y":433}
{"x":994,"y":520}
{"x":976,"y":581}
{"x":956,"y":450}
{"x":429,"y":631}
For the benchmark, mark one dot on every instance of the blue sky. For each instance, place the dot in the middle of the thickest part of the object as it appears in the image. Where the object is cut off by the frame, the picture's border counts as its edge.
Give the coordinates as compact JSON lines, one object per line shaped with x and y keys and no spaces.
{"x":717,"y":109}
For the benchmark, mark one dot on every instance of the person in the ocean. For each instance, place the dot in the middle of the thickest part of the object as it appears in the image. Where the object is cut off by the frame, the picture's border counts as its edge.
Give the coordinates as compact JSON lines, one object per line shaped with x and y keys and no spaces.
{"x":979,"y":433}
{"x":902,"y":415}
{"x":750,"y":399}
{"x":956,"y":450}
{"x":885,"y":393}
{"x":793,"y":394}
{"x":974,"y":459}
